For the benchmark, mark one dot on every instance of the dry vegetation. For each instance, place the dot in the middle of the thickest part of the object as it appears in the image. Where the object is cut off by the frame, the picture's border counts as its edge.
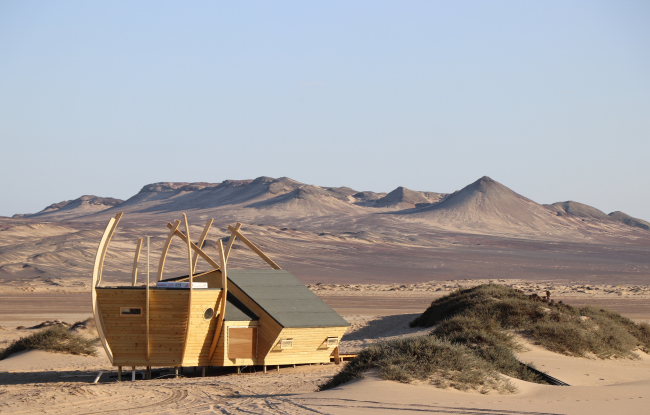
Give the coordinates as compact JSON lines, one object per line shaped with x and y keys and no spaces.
{"x":425,"y":358}
{"x":584,"y":331}
{"x":472,"y":341}
{"x":55,"y":338}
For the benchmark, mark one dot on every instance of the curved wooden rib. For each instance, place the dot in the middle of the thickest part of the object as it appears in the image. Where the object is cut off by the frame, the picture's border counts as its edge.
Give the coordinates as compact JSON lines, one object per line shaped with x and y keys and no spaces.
{"x":191,"y":278}
{"x":254,"y":248}
{"x":168,"y":242}
{"x":223,"y":298}
{"x":135,"y":261}
{"x":204,"y":234}
{"x":108,"y":241}
{"x":97,"y":269}
{"x":203,"y":255}
{"x":231,"y":241}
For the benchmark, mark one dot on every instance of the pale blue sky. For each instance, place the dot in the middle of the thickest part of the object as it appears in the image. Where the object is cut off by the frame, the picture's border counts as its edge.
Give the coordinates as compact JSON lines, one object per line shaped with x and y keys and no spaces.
{"x":551,"y":98}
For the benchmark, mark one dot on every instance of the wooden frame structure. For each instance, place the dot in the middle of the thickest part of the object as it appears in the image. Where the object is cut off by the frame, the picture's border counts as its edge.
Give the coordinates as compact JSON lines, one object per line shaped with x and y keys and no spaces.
{"x":232,"y":322}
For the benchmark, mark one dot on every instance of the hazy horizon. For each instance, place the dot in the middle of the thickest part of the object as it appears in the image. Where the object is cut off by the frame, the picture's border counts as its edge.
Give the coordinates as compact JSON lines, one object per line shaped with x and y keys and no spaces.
{"x":551,"y":99}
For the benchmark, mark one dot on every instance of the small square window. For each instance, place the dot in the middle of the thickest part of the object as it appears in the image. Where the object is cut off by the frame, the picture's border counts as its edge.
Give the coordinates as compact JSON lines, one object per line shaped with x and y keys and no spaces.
{"x":286,"y":344}
{"x":332,"y":341}
{"x":130,"y":311}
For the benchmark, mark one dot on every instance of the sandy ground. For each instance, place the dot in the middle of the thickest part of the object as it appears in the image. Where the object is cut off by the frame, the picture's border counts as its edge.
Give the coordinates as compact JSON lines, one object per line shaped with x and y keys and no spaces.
{"x":41,"y":382}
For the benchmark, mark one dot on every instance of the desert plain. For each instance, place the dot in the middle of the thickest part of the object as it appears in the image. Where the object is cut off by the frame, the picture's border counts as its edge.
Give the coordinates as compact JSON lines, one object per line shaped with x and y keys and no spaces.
{"x":377,"y":259}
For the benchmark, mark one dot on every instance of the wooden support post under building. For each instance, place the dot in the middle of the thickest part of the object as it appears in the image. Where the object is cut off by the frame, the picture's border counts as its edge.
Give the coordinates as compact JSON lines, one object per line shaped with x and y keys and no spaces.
{"x":203,"y":372}
{"x":176,"y":372}
{"x":238,"y":370}
{"x":277,"y":368}
{"x":264,"y":368}
{"x":119,"y":373}
{"x":133,"y":374}
{"x":148,"y":372}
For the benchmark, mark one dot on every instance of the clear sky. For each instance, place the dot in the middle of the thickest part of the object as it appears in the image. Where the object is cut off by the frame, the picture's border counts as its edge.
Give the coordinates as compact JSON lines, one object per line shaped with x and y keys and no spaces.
{"x":550,"y":98}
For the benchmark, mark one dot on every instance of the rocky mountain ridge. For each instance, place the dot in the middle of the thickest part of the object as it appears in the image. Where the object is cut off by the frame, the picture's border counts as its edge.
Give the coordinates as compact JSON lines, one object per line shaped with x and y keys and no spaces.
{"x":485,"y":205}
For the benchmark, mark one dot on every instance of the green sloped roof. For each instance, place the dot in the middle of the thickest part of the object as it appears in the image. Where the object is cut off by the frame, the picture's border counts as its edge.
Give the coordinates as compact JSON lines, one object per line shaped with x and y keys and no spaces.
{"x":236,"y":311}
{"x":285,"y":298}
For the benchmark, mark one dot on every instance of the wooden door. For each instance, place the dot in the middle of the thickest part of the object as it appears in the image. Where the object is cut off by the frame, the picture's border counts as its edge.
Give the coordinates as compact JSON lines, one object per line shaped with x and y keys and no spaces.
{"x":242,"y":342}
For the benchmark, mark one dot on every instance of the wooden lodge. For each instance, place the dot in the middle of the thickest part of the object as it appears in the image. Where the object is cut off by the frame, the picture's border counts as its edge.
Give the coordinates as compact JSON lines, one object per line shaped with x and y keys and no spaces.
{"x":223,"y":317}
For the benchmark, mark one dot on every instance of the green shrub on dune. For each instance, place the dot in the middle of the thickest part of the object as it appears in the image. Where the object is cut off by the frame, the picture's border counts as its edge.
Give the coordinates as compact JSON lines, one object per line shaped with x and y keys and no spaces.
{"x":53,"y":339}
{"x":472,"y":341}
{"x":558,"y":327}
{"x":424,"y":358}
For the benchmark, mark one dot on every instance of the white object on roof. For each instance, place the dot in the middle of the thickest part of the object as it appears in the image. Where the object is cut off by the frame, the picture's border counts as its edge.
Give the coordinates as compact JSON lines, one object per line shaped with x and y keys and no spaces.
{"x":174,"y":284}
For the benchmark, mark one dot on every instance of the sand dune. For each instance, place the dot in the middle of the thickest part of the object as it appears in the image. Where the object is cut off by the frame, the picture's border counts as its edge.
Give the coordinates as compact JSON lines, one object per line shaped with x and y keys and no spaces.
{"x":42,"y":382}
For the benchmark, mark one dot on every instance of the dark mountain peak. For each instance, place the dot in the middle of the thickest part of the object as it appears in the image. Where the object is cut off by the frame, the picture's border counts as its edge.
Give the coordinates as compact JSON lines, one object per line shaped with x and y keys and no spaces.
{"x":310,"y":191}
{"x":282,"y":185}
{"x":234,"y":183}
{"x":484,"y":185}
{"x":368,"y":196}
{"x":402,"y":195}
{"x":629,"y":220}
{"x":341,"y":193}
{"x":263,"y":180}
{"x":162,"y":187}
{"x":196,"y":186}
{"x":83,"y":205}
{"x":83,"y":200}
{"x":576,"y":209}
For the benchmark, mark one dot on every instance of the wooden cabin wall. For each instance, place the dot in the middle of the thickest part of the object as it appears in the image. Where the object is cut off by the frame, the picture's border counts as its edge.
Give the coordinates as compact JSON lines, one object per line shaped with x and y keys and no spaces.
{"x":309,"y":346}
{"x":269,"y":329}
{"x":126,"y":335}
{"x":213,"y":278}
{"x":168,"y":309}
{"x":201,"y":330}
{"x":220,"y":357}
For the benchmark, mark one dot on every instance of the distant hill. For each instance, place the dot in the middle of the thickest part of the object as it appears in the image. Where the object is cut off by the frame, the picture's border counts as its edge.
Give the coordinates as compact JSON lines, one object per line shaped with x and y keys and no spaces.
{"x":170,"y":197}
{"x":404,"y":198}
{"x":578,"y":210}
{"x":364,"y":197}
{"x":629,"y":220}
{"x":485,"y":206}
{"x":308,"y":200}
{"x":84,"y":205}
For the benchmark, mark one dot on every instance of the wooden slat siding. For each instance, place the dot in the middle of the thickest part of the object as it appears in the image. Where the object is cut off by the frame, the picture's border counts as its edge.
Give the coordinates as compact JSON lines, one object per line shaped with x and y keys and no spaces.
{"x":126,"y":335}
{"x":168,"y":320}
{"x":213,"y":278}
{"x":308,"y":346}
{"x":201,"y":331}
{"x":242,"y":343}
{"x":269,"y":328}
{"x":220,"y":359}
